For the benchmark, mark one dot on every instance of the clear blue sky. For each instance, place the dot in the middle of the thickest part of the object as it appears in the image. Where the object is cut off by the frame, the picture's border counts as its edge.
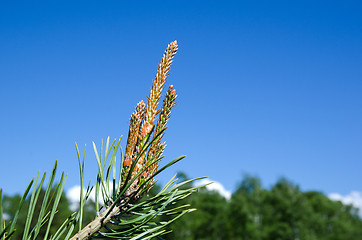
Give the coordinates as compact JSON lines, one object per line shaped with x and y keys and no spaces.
{"x":269,"y":88}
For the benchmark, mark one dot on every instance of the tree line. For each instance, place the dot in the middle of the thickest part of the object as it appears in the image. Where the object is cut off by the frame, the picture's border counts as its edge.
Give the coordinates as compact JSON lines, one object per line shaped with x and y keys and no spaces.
{"x":252,"y":213}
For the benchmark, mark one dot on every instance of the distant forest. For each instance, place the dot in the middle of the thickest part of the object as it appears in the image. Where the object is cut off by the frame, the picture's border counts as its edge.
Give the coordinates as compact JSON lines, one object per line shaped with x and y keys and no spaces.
{"x":252,"y":213}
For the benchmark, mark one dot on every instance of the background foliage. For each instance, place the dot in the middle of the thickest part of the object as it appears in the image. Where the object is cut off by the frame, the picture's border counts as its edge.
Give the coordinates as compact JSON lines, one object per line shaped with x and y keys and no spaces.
{"x":253,"y":212}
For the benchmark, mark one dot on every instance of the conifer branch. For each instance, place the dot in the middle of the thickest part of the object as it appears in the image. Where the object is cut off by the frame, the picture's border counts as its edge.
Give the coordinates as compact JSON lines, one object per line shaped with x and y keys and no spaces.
{"x":124,"y":215}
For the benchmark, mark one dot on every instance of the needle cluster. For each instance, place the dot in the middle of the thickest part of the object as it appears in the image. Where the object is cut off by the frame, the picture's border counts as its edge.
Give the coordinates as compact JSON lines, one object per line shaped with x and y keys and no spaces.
{"x":121,"y":211}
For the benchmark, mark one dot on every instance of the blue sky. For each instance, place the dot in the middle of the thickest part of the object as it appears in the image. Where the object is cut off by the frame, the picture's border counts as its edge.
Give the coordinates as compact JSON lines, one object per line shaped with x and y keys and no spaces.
{"x":268,"y":88}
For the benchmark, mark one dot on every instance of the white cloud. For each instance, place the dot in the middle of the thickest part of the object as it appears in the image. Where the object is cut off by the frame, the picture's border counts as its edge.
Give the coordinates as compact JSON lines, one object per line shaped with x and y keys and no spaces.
{"x":73,"y":196}
{"x":354,"y":198}
{"x":214,"y":186}
{"x":74,"y":192}
{"x":6,"y":217}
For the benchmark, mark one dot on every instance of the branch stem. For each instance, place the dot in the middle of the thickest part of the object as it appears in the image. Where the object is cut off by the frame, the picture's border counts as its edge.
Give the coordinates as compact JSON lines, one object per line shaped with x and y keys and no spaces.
{"x":93,"y":227}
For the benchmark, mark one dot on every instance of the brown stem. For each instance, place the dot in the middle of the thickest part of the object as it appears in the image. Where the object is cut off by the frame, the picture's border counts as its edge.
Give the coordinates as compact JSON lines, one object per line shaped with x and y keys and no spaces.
{"x":93,"y":227}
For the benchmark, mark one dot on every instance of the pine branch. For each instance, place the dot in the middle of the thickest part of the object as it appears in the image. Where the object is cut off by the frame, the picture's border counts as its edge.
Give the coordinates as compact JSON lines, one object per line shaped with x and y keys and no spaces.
{"x":125,"y":216}
{"x":142,"y":152}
